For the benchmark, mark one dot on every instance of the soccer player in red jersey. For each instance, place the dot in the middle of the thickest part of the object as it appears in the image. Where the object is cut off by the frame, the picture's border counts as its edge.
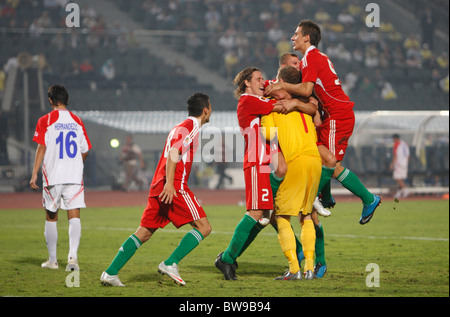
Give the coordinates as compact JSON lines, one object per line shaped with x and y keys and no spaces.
{"x":257,"y":158}
{"x":319,"y":76}
{"x":252,"y":104}
{"x":170,"y":199}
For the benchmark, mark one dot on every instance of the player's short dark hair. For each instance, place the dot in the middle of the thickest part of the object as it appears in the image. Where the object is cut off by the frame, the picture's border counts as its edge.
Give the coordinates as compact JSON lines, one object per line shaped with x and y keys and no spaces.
{"x":312,"y":29}
{"x":284,"y":57}
{"x":241,"y":77}
{"x":196,"y":103}
{"x":290,"y":74}
{"x":58,"y":94}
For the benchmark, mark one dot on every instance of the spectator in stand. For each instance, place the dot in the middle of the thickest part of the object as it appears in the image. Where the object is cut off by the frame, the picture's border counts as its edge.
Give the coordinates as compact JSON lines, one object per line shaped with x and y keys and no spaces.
{"x":86,"y":70}
{"x":442,"y":61}
{"x":427,"y":56}
{"x":107,"y":70}
{"x":346,"y":19}
{"x":58,"y":42}
{"x":212,"y":19}
{"x":44,"y":21}
{"x":411,"y":42}
{"x":427,"y":23}
{"x":93,"y":41}
{"x":322,"y":16}
{"x":275,"y":33}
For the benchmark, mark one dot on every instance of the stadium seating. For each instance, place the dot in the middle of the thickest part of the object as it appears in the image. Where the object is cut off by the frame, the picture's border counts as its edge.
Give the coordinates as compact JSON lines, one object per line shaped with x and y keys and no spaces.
{"x":138,"y":70}
{"x":144,"y":82}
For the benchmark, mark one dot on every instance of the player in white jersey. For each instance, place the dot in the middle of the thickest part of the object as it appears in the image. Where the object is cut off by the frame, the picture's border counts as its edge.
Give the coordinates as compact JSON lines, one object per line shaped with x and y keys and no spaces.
{"x":399,"y":165}
{"x":63,"y":145}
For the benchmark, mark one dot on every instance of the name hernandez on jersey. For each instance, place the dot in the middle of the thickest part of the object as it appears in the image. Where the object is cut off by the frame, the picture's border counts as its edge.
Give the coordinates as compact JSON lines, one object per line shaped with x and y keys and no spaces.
{"x":65,"y":138}
{"x":316,"y":67}
{"x":183,"y":137}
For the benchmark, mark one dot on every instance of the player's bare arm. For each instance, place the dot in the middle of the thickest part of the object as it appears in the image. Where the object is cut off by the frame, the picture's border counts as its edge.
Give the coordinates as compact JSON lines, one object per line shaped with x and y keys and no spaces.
{"x":169,"y":191}
{"x":40,"y":152}
{"x":84,"y":155}
{"x":308,"y":106}
{"x":303,"y":89}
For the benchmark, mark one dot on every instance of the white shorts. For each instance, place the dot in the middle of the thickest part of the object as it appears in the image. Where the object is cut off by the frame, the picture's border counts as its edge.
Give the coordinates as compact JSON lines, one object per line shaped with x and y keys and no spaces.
{"x":66,"y":196}
{"x":400,"y":172}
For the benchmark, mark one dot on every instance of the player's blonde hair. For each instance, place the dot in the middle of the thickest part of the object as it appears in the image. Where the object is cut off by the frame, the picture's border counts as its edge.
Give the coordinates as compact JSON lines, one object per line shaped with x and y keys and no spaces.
{"x":241,"y":77}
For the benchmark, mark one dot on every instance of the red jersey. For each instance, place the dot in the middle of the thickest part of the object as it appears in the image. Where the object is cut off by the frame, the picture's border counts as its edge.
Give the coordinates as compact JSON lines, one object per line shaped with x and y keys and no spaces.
{"x":183,"y":137}
{"x":317,"y":68}
{"x":249,"y":111}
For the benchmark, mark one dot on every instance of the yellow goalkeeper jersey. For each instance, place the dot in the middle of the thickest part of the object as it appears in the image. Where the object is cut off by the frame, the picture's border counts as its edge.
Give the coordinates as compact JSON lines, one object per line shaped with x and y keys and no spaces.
{"x":296,"y":133}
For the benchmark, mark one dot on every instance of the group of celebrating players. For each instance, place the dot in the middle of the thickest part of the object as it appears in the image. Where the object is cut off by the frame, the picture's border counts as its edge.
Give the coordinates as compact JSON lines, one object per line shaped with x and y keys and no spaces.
{"x":285,"y":171}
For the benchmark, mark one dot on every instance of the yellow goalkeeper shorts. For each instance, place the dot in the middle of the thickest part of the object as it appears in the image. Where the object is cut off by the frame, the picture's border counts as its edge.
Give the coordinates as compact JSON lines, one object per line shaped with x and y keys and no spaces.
{"x":299,"y":187}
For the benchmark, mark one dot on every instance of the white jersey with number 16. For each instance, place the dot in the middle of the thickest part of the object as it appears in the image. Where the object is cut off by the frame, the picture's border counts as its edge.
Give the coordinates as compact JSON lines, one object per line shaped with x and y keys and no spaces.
{"x":65,"y":137}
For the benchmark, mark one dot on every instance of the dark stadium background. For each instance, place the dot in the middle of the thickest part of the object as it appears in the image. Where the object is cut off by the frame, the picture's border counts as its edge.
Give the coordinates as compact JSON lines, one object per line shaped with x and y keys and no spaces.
{"x":163,"y":51}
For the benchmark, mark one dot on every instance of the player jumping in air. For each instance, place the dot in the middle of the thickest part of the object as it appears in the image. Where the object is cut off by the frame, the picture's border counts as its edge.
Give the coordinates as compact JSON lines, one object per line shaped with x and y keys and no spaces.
{"x":320,"y":76}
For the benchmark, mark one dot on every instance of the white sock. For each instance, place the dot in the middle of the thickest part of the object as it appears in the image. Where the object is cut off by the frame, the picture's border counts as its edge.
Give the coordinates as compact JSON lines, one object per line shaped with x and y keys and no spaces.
{"x":51,"y":238}
{"x":74,"y":237}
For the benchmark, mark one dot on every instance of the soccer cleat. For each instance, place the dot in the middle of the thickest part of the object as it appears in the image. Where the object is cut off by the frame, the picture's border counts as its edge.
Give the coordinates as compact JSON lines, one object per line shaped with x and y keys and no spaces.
{"x":49,"y":265}
{"x":320,"y":270}
{"x":288,"y":276}
{"x":172,"y":272}
{"x":265,"y":219}
{"x":319,"y":208}
{"x":228,"y":270}
{"x":328,"y":203}
{"x":368,"y":210}
{"x":72,"y":265}
{"x":309,"y":275}
{"x":111,"y":280}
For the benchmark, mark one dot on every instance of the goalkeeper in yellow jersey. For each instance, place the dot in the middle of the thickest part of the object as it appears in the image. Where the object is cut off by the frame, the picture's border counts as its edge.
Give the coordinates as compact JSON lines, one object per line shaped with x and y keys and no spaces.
{"x":297,"y":139}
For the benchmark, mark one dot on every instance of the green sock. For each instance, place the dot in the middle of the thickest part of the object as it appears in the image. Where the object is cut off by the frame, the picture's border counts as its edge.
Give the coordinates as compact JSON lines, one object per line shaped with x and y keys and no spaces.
{"x":125,"y":253}
{"x":240,"y":236}
{"x":298,"y":245}
{"x":327,"y":174}
{"x":189,"y":242}
{"x":253,"y":233}
{"x":350,"y":181}
{"x":326,"y":192}
{"x":320,"y":245}
{"x":275,"y":182}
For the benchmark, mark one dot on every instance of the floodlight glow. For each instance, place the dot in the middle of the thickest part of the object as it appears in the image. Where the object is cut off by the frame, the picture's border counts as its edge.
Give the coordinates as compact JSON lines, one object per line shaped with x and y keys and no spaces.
{"x":114,"y":143}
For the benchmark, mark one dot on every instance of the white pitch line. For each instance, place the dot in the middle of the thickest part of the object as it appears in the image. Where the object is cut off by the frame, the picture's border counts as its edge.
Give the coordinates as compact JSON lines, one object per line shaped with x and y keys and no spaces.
{"x":349,"y":236}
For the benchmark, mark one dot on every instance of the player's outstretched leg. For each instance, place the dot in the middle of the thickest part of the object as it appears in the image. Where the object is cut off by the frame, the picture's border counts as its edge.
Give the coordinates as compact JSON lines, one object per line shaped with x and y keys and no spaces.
{"x":350,"y":181}
{"x":126,"y":251}
{"x":368,"y":210}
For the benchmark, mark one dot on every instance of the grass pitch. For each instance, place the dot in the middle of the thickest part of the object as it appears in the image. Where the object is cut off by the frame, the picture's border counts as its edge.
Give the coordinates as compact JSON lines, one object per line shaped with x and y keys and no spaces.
{"x":408,"y":241}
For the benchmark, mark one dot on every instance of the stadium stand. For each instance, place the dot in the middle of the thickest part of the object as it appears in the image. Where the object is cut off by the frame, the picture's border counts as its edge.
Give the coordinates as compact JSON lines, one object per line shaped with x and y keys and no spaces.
{"x":196,"y":34}
{"x":225,"y":36}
